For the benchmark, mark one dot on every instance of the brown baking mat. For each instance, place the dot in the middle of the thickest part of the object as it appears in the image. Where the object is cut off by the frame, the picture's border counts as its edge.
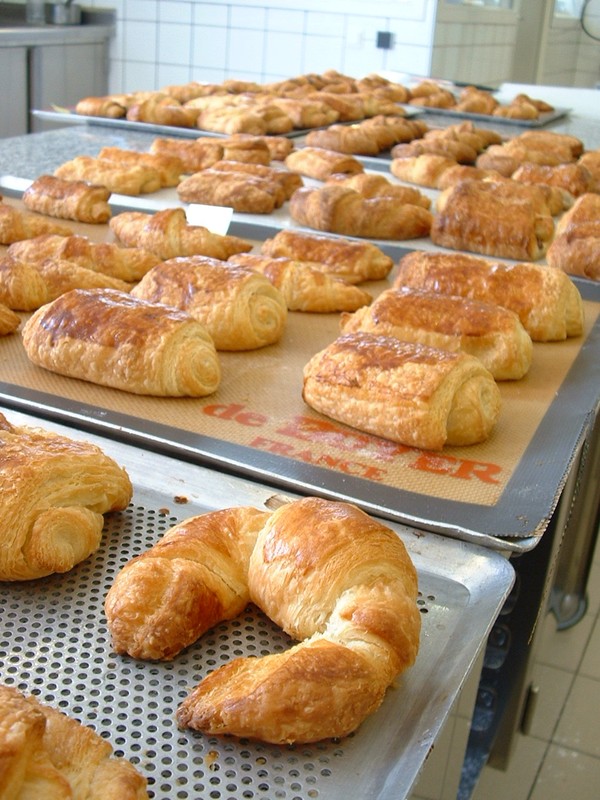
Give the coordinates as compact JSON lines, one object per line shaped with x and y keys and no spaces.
{"x":257,"y":424}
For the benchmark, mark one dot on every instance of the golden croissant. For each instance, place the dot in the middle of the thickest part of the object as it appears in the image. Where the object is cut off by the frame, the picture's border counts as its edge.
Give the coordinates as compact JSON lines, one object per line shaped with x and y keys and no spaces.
{"x":336,"y":580}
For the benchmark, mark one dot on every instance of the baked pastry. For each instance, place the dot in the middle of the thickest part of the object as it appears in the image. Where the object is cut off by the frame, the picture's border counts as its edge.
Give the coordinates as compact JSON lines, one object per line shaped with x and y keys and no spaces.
{"x":47,"y":754}
{"x":160,"y":109}
{"x":229,"y":119}
{"x":348,"y":598}
{"x":167,"y":235}
{"x":472,"y":216}
{"x":250,"y":194}
{"x":547,"y":302}
{"x":461,"y":152}
{"x":305,"y":286}
{"x":465,"y":172}
{"x":353,"y":261}
{"x":103,"y":106}
{"x":68,"y":199}
{"x":16,"y":225}
{"x":490,"y":332}
{"x":409,"y":393}
{"x":125,"y":263}
{"x":573,"y":178}
{"x":134,"y":179}
{"x":194,"y":154}
{"x":320,"y":163}
{"x":287,"y":181}
{"x":54,"y":493}
{"x":113,"y":339}
{"x":591,"y":161}
{"x":240,"y":308}
{"x":352,"y":139}
{"x":9,"y":321}
{"x":369,"y":184}
{"x":339,"y":209}
{"x":568,"y":146}
{"x":169,"y":167}
{"x":26,"y":287}
{"x":546,"y":199}
{"x":576,"y":245}
{"x":423,"y":170}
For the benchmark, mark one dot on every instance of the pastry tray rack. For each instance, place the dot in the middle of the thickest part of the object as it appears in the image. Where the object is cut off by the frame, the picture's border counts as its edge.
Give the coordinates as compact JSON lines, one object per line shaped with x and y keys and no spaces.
{"x":54,"y":644}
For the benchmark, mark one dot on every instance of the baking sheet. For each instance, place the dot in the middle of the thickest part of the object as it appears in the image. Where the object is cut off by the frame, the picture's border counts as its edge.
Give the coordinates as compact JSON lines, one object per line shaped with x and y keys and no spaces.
{"x":55,"y":644}
{"x":69,"y":117}
{"x":545,"y":118}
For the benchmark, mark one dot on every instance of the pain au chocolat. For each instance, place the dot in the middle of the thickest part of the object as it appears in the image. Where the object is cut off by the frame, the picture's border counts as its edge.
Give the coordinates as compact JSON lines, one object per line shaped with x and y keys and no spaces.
{"x":409,"y":393}
{"x":113,"y":339}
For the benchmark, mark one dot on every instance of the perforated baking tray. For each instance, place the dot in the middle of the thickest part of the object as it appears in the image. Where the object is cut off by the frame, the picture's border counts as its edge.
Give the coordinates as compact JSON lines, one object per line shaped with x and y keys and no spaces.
{"x":54,"y":643}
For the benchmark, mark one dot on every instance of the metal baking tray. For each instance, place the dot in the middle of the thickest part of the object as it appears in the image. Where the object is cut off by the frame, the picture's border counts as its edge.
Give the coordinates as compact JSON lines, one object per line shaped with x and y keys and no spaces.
{"x":69,"y":117}
{"x":545,"y":118}
{"x":54,"y":643}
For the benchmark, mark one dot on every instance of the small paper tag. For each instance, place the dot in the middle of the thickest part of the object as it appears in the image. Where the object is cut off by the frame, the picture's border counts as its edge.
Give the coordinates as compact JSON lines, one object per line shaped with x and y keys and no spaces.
{"x":216,"y":218}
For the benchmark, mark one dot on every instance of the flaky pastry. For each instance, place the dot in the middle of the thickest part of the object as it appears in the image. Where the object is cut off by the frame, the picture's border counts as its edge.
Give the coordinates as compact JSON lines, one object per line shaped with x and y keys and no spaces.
{"x":68,"y":199}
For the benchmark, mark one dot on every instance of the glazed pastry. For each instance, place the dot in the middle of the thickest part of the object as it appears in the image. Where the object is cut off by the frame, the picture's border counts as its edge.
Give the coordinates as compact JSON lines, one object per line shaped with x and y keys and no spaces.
{"x":409,"y":393}
{"x":287,"y":181}
{"x":170,"y":168}
{"x":160,"y":109}
{"x":591,"y":161}
{"x":461,"y":152}
{"x":100,"y":107}
{"x":347,"y":593}
{"x":319,"y":163}
{"x":68,"y":199}
{"x":490,"y":332}
{"x":423,"y":170}
{"x":573,"y":178}
{"x":127,"y":264}
{"x":350,"y":139}
{"x":229,"y":119}
{"x":306,"y":112}
{"x":372,"y":185}
{"x":338,"y":209}
{"x":240,"y":308}
{"x":305,"y":286}
{"x":353,"y":261}
{"x":131,"y":180}
{"x":113,"y":339}
{"x":568,"y":146}
{"x":9,"y":321}
{"x":54,"y":493}
{"x":26,"y":287}
{"x":194,"y":154}
{"x":167,"y":235}
{"x":250,"y":194}
{"x":548,"y":304}
{"x":46,"y":754}
{"x":465,"y":172}
{"x":576,"y":245}
{"x":16,"y":225}
{"x":472,"y":216}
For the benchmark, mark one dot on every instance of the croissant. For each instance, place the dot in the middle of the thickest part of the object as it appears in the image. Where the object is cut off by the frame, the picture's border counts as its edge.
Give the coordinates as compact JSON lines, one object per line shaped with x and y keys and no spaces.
{"x":472,"y":216}
{"x":351,"y":260}
{"x":552,"y":140}
{"x":240,"y":308}
{"x":100,"y":107}
{"x":338,"y":209}
{"x":387,"y":130}
{"x":424,"y":170}
{"x":113,"y":339}
{"x":131,"y":180}
{"x":576,"y":245}
{"x":26,"y":287}
{"x":68,"y":199}
{"x":9,"y":321}
{"x":305,"y":285}
{"x":548,"y":304}
{"x":347,"y":593}
{"x":372,"y":185}
{"x":490,"y":332}
{"x":407,"y":392}
{"x":161,"y":109}
{"x":127,"y":264}
{"x":230,"y":120}
{"x":16,"y":225}
{"x":306,"y":112}
{"x":319,"y":163}
{"x":167,"y":235}
{"x":54,"y":493}
{"x":169,"y":168}
{"x":46,"y":754}
{"x":252,"y":194}
{"x":344,"y":139}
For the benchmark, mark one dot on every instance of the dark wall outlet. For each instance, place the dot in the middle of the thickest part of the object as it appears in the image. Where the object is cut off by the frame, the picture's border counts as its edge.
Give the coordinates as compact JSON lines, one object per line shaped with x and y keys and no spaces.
{"x":385,"y":40}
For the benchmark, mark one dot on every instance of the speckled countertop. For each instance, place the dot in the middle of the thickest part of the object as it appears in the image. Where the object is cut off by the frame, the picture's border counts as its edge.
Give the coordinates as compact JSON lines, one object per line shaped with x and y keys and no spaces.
{"x":37,"y":153}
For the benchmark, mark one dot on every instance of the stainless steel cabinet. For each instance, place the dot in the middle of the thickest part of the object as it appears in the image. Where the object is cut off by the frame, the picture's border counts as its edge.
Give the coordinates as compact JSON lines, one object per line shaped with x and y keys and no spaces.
{"x":13,"y":91}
